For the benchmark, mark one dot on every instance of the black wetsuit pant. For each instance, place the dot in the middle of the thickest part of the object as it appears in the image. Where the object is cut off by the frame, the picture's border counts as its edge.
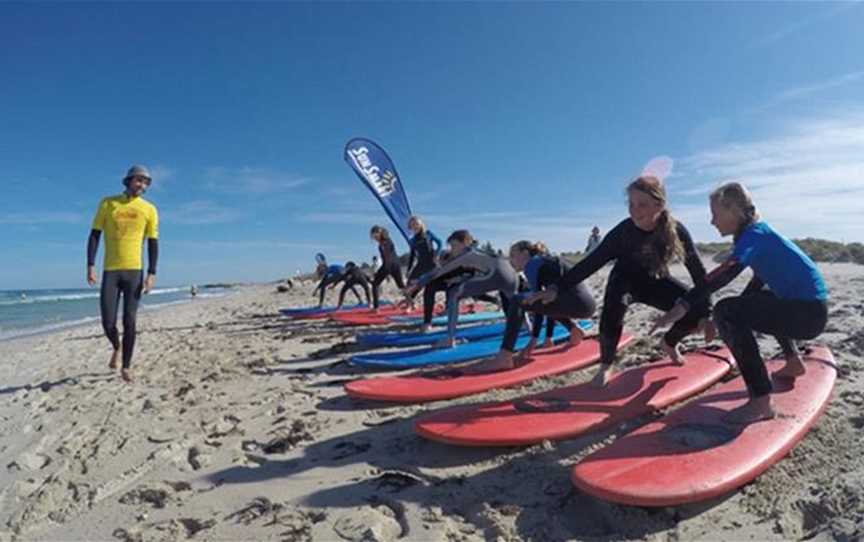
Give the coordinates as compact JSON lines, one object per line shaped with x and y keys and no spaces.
{"x":383,"y":272}
{"x":570,"y":303}
{"x":350,"y":285}
{"x":786,"y":319}
{"x":441,"y":285}
{"x":128,"y":284}
{"x":625,"y":287}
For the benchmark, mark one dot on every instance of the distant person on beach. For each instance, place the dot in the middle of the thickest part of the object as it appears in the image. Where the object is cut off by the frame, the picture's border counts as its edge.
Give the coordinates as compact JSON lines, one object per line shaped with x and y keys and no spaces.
{"x":375,"y":263}
{"x":593,"y":240}
{"x":795,"y":305}
{"x":425,"y":247}
{"x":542,"y":271}
{"x":329,"y":275}
{"x":485,"y":273}
{"x":353,"y":276}
{"x":389,"y":263}
{"x":127,"y":219}
{"x":193,"y":290}
{"x":642,"y":248}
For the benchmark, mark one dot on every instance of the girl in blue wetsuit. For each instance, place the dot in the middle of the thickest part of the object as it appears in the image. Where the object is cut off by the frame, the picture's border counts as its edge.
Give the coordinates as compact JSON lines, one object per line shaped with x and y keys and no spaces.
{"x":793,"y":307}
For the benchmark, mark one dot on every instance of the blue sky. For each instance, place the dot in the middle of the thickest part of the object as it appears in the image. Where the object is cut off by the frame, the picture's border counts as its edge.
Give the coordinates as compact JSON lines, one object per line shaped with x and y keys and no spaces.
{"x":515,"y":120}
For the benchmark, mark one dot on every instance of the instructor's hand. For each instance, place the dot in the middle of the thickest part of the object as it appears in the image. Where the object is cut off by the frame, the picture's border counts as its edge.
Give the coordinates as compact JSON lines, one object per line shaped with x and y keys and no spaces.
{"x":545,"y":297}
{"x":91,"y":275}
{"x":149,"y":283}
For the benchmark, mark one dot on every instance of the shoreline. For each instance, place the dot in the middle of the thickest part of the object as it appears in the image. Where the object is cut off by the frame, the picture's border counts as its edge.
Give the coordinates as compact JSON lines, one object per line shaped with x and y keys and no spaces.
{"x":237,"y":428}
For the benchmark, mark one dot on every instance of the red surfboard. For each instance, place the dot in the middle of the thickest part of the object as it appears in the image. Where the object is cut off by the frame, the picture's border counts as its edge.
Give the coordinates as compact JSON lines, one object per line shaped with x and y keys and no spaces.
{"x":574,"y":410}
{"x":691,"y":454}
{"x":382,"y":316}
{"x":325,"y":314}
{"x":447,"y":384}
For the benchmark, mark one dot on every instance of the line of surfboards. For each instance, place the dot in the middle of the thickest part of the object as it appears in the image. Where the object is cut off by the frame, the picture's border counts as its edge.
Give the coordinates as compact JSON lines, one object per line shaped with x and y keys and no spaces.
{"x":688,"y":455}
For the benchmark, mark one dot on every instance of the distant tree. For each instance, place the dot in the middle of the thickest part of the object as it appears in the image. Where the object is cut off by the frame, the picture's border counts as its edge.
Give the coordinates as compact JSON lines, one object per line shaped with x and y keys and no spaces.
{"x":487,"y":248}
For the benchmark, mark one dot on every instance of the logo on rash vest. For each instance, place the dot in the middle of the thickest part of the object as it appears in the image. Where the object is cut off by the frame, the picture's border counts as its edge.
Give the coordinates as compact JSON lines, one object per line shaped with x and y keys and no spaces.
{"x":126,"y":215}
{"x":382,"y":183}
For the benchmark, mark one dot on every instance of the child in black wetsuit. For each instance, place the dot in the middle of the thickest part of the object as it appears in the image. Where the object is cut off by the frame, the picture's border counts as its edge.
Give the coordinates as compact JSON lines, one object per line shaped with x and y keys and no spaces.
{"x":642,"y":247}
{"x":389,"y":262}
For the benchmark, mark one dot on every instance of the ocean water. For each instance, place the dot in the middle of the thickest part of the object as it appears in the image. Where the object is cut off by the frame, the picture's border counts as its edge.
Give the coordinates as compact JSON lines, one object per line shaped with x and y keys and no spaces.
{"x":30,"y":312}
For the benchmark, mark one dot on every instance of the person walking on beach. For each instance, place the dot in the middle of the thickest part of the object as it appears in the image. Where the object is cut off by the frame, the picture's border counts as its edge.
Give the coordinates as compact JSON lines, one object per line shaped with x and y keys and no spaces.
{"x":126,"y":219}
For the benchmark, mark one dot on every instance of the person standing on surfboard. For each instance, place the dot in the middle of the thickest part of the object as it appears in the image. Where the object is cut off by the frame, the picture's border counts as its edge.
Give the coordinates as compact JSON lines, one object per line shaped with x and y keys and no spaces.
{"x":487,"y":274}
{"x":642,"y":247}
{"x":425,"y":247}
{"x":389,"y":262}
{"x":127,"y":220}
{"x":541,"y":271}
{"x":795,"y":305}
{"x":329,"y":275}
{"x":353,"y":276}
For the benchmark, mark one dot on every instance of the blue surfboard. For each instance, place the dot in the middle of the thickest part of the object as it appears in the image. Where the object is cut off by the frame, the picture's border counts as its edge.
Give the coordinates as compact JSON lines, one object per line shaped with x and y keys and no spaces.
{"x":442,"y":356}
{"x":471,"y":333}
{"x":463,"y":318}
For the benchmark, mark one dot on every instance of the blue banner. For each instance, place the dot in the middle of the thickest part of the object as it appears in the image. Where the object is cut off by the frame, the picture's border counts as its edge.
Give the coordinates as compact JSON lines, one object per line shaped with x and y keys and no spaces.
{"x":376,"y":170}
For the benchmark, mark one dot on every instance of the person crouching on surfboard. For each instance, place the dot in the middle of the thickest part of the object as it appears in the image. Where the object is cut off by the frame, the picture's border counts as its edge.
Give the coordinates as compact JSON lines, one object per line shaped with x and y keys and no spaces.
{"x":329,"y":275}
{"x":541,"y":270}
{"x":642,"y":247}
{"x":486,"y":274}
{"x":389,"y":263}
{"x":352,"y":276}
{"x":794,"y":306}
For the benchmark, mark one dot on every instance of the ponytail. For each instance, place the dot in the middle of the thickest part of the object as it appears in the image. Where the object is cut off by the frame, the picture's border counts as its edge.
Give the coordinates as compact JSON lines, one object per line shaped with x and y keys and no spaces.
{"x":534,"y":249}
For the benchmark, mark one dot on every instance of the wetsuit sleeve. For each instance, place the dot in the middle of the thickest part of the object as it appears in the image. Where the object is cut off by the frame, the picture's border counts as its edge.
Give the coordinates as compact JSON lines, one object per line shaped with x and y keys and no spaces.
{"x":93,"y":246}
{"x":548,"y":275}
{"x":152,"y":255}
{"x":469,"y":260}
{"x":716,"y":279}
{"x":435,"y":241}
{"x":692,"y":261}
{"x":607,"y":250}
{"x":412,"y":254}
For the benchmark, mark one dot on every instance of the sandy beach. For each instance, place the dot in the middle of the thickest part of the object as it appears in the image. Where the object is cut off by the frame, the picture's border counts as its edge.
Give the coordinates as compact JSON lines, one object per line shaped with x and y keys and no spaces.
{"x":238,"y":428}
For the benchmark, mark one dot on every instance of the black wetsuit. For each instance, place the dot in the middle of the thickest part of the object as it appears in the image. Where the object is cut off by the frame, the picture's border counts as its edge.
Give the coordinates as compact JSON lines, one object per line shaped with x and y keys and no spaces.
{"x":128,"y":283}
{"x":354,"y":276}
{"x":423,"y":252}
{"x":389,"y":268}
{"x":330,"y":278}
{"x":630,"y":281}
{"x":572,"y":302}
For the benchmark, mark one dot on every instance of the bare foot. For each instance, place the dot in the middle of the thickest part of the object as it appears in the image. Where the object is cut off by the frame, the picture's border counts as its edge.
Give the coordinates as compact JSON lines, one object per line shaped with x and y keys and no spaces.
{"x":126,"y":374}
{"x":576,"y":336}
{"x":522,"y":357}
{"x":115,"y":361}
{"x":793,"y":368}
{"x":755,"y":410}
{"x":709,"y":330}
{"x":425,"y":328}
{"x":548,"y":343}
{"x":604,"y":374}
{"x":502,"y":362}
{"x":673,"y":353}
{"x":446,"y":342}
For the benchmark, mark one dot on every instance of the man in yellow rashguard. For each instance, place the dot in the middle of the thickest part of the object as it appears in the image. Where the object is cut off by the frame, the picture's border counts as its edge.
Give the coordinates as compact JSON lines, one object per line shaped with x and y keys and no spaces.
{"x":127,"y":219}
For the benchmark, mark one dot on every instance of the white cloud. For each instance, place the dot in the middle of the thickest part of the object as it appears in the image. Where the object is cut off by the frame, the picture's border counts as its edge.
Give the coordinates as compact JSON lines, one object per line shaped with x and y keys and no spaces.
{"x":808,"y":180}
{"x":252,"y":181}
{"x":201,"y":212}
{"x":797,"y":26}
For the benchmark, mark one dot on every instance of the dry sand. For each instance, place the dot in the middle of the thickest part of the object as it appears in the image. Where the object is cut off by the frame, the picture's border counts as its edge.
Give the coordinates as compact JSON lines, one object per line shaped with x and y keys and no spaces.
{"x":238,"y":429}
